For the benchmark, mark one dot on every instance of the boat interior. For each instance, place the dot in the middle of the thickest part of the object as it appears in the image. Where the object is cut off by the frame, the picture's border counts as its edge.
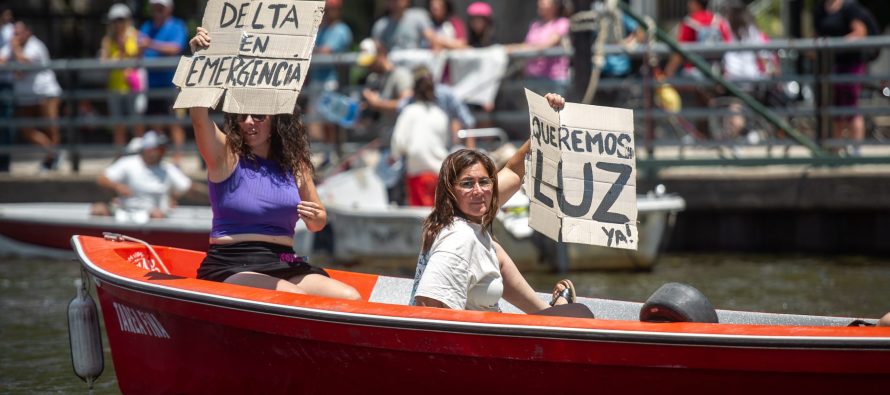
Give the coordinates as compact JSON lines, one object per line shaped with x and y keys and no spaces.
{"x":396,"y":291}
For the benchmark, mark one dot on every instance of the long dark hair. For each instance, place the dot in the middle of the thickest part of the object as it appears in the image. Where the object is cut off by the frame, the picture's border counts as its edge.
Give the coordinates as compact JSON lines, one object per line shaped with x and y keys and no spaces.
{"x":739,"y":18}
{"x":446,"y":208}
{"x":289,"y":142}
{"x":424,"y":87}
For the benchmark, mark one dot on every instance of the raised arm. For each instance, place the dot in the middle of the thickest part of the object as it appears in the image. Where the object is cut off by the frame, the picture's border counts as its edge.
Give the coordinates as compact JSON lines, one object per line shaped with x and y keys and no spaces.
{"x":210,"y":139}
{"x":510,"y":177}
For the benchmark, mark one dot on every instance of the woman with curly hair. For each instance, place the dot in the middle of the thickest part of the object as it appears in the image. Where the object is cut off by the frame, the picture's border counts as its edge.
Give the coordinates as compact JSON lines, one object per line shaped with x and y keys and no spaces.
{"x":260,"y":184}
{"x":461,"y":266}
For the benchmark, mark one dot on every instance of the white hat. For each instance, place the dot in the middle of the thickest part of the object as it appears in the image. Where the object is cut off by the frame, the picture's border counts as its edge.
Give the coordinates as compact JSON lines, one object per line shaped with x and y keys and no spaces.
{"x":152,"y":139}
{"x":367,"y":52}
{"x":119,"y":11}
{"x":165,"y":3}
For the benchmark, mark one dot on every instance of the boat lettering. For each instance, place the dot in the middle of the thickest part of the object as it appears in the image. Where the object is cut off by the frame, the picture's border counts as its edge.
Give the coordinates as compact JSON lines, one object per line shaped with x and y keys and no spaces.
{"x":139,"y":259}
{"x":139,"y":322}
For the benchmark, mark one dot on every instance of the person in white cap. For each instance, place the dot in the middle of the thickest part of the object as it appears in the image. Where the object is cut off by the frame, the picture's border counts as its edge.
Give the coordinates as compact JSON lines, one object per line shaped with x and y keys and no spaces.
{"x":145,"y":185}
{"x":164,"y":35}
{"x":121,"y":43}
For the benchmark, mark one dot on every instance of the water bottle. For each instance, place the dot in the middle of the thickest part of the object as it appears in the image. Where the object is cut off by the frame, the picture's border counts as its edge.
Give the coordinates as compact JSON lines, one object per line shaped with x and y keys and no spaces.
{"x":339,"y":109}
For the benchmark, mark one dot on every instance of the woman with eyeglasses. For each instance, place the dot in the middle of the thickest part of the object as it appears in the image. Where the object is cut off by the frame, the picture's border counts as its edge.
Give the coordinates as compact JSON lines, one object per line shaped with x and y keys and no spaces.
{"x":460,"y":265}
{"x":260,"y":184}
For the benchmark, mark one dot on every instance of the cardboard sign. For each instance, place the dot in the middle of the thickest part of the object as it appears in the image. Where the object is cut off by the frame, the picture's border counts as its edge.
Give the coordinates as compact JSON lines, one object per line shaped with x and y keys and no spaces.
{"x":258,"y":57}
{"x":582,"y":174}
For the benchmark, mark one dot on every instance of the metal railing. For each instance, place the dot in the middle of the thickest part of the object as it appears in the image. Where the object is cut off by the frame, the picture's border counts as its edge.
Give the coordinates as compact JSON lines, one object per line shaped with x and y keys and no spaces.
{"x":83,"y":80}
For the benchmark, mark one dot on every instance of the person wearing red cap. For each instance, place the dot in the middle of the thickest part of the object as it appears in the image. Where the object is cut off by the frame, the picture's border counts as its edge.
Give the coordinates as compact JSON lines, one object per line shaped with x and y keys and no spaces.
{"x":481,"y":32}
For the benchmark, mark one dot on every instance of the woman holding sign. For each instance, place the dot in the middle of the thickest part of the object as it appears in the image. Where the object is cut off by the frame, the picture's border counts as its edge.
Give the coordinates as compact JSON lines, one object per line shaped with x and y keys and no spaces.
{"x":460,"y":265}
{"x":260,"y":184}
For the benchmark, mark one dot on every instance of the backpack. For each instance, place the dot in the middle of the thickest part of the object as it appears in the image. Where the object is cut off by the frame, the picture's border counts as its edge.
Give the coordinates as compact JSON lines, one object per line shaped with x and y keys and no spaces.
{"x":709,"y":33}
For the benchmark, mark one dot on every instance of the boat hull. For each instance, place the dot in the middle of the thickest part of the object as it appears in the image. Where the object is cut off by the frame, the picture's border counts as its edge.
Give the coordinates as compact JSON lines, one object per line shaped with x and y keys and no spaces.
{"x":50,"y":225}
{"x":212,"y":349}
{"x":171,"y":333}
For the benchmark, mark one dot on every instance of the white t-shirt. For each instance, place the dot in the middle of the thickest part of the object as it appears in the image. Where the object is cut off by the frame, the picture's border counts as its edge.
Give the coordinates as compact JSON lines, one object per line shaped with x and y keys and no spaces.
{"x":422,"y":136}
{"x":6,"y":32}
{"x":150,"y":185}
{"x":461,"y":269}
{"x":41,"y":83}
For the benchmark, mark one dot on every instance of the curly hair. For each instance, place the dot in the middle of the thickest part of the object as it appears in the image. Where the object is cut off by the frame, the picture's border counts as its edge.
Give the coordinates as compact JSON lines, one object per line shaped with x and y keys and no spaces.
{"x":289,"y":142}
{"x":446,"y":207}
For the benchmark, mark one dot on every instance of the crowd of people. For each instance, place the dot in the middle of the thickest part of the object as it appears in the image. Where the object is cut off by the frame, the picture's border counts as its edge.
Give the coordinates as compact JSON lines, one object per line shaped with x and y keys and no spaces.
{"x":37,"y":93}
{"x":437,"y":27}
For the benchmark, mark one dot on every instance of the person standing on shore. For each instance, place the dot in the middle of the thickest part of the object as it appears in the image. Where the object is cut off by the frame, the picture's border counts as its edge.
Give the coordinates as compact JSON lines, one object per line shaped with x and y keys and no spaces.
{"x":161,"y":36}
{"x":37,"y":92}
{"x":121,"y":43}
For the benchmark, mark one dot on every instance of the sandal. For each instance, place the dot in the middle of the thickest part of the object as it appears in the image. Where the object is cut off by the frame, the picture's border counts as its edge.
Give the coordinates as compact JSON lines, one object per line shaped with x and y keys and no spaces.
{"x":567,"y":292}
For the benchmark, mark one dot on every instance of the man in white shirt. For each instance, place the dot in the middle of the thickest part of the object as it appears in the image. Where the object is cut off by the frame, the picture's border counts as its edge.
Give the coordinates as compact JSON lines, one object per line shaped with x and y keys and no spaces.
{"x":144,"y":183}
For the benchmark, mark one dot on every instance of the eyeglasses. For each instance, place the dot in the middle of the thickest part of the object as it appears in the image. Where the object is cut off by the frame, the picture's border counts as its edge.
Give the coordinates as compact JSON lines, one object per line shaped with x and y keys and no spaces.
{"x":256,"y":117}
{"x":469,"y":183}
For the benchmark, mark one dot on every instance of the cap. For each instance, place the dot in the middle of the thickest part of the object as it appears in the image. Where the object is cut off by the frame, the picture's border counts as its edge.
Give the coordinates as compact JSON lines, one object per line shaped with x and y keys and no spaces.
{"x":119,"y":11}
{"x":367,"y":52}
{"x":479,"y":8}
{"x":152,"y":139}
{"x":165,"y":3}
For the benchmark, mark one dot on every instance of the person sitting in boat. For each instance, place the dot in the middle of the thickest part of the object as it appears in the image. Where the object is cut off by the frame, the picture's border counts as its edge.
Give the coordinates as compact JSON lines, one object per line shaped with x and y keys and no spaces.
{"x":260,"y":184}
{"x":460,"y":265}
{"x":146,"y":186}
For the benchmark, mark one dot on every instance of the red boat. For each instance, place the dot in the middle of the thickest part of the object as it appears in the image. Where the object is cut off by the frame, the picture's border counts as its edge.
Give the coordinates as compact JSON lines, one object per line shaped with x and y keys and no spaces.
{"x":172,"y":333}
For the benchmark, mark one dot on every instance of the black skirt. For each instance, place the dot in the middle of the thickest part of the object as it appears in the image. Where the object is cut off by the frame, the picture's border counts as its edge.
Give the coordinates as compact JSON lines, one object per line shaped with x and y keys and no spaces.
{"x":224,"y":260}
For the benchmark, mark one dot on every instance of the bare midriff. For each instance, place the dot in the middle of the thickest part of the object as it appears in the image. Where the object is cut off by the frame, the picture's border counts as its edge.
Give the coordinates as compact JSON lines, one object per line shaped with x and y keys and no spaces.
{"x":240,"y":238}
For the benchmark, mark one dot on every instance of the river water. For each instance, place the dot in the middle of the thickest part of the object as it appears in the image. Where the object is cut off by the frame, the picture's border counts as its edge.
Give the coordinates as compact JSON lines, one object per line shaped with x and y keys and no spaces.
{"x":34,"y":295}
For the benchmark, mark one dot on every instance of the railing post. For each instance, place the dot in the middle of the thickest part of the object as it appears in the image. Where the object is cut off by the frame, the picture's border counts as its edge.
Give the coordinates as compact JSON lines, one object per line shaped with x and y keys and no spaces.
{"x":71,"y":131}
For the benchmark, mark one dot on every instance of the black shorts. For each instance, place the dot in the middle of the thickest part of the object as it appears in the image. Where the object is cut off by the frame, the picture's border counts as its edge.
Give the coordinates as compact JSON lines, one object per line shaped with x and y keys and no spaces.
{"x":224,"y":260}
{"x":159,"y":106}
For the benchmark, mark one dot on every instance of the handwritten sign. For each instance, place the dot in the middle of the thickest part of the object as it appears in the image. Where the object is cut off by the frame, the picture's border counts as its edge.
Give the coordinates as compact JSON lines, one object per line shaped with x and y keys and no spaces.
{"x":582,"y":174}
{"x":258,"y":58}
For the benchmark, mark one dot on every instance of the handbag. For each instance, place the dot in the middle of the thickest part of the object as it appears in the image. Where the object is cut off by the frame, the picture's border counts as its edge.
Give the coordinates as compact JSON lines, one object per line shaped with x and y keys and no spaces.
{"x":136,"y":79}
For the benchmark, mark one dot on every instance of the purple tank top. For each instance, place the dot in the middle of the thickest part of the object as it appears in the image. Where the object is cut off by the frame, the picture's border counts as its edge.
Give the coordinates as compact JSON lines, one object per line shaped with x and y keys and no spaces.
{"x":259,"y":197}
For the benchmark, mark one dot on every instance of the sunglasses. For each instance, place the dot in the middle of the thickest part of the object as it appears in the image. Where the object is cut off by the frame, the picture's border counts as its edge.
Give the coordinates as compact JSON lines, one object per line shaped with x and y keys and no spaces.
{"x":255,"y":117}
{"x":468,"y":184}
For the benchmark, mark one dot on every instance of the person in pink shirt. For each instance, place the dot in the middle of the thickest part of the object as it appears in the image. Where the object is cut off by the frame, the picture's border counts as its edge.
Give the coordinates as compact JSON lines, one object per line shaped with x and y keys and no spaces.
{"x":545,"y":32}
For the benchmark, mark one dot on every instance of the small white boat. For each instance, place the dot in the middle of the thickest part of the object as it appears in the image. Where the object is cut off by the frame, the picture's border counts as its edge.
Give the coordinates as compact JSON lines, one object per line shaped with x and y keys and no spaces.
{"x":45,"y":229}
{"x":369,"y":231}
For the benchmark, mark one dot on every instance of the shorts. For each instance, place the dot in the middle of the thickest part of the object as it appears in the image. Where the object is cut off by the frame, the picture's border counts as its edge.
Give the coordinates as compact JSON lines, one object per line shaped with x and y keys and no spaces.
{"x":846,"y":94}
{"x":123,"y":104}
{"x":159,"y":106}
{"x":422,"y":189}
{"x":224,"y":260}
